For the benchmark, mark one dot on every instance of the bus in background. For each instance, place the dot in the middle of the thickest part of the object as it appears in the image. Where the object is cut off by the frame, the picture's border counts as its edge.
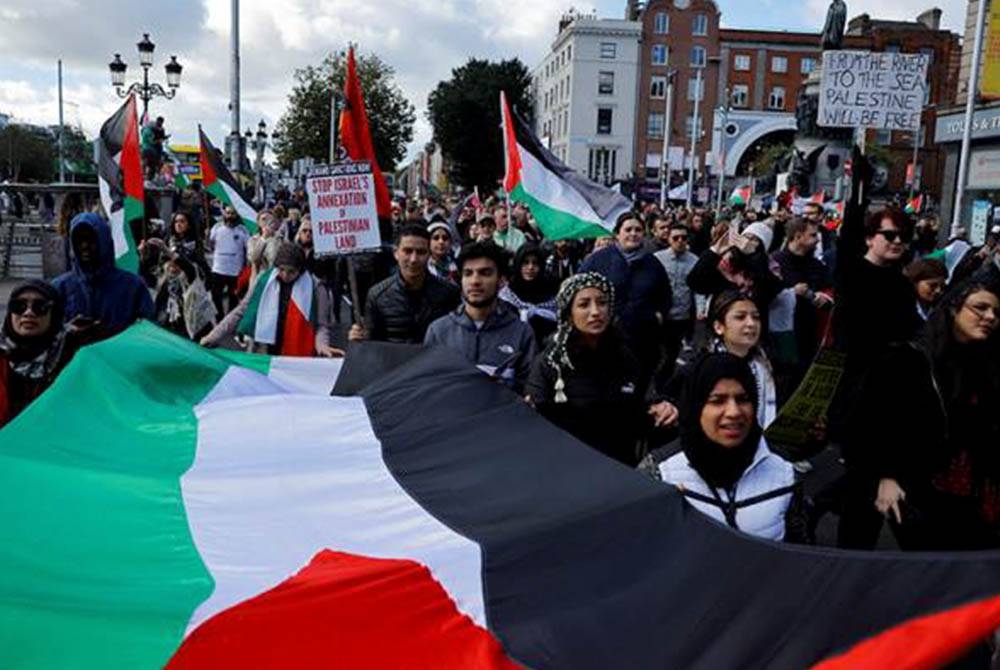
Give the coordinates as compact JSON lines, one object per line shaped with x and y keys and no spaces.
{"x":187,"y":156}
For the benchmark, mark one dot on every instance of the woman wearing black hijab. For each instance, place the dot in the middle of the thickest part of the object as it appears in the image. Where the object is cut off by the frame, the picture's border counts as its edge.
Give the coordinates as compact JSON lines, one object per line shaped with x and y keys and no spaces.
{"x":532,"y":292}
{"x":33,"y":346}
{"x":725,"y":468}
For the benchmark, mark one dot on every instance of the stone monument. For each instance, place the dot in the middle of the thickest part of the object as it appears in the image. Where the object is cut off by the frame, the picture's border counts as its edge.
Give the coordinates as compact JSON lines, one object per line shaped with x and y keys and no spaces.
{"x":816,"y":161}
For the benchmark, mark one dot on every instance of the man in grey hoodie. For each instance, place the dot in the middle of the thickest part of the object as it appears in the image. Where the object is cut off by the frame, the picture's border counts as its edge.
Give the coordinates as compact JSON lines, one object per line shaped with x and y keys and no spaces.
{"x":484,"y":329}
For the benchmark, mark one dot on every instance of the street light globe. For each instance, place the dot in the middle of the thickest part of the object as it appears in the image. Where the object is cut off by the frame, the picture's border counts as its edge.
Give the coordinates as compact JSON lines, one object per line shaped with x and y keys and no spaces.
{"x":146,"y":48}
{"x":173,"y":69}
{"x":117,"y":68}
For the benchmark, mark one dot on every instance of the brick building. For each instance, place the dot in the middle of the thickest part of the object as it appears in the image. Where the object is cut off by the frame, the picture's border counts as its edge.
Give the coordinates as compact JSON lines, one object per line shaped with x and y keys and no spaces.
{"x":762,"y":71}
{"x":679,"y":39}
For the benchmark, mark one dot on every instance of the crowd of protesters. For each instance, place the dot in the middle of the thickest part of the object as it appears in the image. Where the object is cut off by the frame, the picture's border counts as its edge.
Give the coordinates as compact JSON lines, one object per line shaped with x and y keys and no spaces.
{"x":670,"y":345}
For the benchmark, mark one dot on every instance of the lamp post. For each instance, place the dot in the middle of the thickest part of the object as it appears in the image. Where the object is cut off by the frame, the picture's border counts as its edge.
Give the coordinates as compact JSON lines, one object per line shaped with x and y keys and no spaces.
{"x":145,"y":89}
{"x":699,"y":93}
{"x":724,"y":111}
{"x":668,"y":110}
{"x":258,"y":144}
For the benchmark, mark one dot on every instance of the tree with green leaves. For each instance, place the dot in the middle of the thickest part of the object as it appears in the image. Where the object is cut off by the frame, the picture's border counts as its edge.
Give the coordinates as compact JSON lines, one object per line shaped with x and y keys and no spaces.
{"x":465,"y":114}
{"x":304,"y":130}
{"x":27,"y":153}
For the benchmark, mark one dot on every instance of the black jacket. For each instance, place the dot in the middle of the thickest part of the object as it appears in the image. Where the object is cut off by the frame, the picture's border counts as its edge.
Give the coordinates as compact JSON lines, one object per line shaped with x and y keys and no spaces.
{"x":604,"y":407}
{"x":706,"y":278}
{"x":395,"y":314}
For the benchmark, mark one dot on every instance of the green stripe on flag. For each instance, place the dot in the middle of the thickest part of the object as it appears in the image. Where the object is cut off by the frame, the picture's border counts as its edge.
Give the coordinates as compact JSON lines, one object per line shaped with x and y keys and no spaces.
{"x":83,"y":477}
{"x":556,"y":224}
{"x":220,"y":193}
{"x":133,"y":210}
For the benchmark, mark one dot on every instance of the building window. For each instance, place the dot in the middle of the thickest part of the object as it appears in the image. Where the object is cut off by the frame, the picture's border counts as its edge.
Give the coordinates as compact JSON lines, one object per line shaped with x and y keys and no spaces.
{"x":604,"y":121}
{"x":569,"y":53}
{"x":689,"y":124}
{"x":654,"y":127}
{"x":601,"y":164}
{"x":741,"y":63}
{"x":658,"y":87}
{"x":777,"y":98}
{"x":608,"y":50}
{"x":741,"y":95}
{"x":659,"y":54}
{"x":883,"y":137}
{"x":779,"y":64}
{"x":605,"y":83}
{"x":929,"y":52}
{"x":807,"y":65}
{"x":661,"y":23}
{"x":892,"y":48}
{"x":695,"y":91}
{"x":698,"y":57}
{"x":700,"y":25}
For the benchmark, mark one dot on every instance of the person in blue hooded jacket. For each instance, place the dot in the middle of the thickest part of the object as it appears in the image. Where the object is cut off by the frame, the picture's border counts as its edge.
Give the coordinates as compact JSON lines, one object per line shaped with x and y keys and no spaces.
{"x":96,"y":294}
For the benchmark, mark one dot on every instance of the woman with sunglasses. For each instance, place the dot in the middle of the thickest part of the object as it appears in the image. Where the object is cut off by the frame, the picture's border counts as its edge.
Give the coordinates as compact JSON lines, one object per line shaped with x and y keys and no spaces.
{"x":924,"y":451}
{"x":33,"y":346}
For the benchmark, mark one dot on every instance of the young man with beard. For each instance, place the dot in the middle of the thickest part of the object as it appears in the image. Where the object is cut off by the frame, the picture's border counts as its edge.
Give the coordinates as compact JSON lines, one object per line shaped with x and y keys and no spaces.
{"x":487,"y":331}
{"x":399,"y":309}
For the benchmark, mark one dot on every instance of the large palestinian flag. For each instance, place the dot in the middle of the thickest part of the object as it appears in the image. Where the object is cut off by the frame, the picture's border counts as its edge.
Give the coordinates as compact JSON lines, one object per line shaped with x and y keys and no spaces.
{"x":201,"y":509}
{"x":120,"y":181}
{"x":220,"y":182}
{"x":565,"y":204}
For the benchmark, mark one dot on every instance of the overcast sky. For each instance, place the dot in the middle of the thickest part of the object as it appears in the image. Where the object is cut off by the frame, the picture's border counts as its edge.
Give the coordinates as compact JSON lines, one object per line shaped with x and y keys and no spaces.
{"x":422,"y":39}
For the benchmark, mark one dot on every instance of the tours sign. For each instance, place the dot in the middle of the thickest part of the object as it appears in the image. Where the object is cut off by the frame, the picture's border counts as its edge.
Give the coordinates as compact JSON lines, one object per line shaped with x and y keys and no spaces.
{"x":342,"y":206}
{"x":863,"y":89}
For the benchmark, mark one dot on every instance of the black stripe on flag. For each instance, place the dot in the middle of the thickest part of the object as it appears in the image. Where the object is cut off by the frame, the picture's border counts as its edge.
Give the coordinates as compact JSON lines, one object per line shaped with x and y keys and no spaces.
{"x":587,"y":564}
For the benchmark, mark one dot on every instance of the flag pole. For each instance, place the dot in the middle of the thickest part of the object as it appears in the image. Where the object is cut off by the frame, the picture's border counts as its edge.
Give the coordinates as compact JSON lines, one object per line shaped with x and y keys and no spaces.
{"x":352,"y":274}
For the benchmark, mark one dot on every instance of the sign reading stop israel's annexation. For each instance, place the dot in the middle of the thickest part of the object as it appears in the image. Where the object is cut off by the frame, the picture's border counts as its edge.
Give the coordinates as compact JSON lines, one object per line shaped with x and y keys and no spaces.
{"x":342,"y":206}
{"x":862,"y":89}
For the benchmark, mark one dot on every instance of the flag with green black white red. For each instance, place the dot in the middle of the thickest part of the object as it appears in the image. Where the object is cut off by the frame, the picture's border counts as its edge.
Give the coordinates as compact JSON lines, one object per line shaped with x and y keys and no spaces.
{"x":197,"y":508}
{"x":220,"y":182}
{"x":565,"y":204}
{"x":120,"y":181}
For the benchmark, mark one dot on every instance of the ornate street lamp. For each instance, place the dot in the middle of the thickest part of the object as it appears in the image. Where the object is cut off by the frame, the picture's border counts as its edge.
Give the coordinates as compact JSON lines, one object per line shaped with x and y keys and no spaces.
{"x":144,"y":89}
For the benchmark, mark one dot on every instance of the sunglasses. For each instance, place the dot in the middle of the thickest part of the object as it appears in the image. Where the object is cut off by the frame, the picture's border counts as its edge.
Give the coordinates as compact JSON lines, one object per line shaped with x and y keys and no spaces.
{"x":678,"y":237}
{"x":20,"y":307}
{"x":893,"y":236}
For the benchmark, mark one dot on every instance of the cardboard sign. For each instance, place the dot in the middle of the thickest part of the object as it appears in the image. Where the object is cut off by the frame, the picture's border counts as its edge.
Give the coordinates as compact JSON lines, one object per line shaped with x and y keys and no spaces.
{"x":810,"y":402}
{"x":342,"y":206}
{"x":862,"y":89}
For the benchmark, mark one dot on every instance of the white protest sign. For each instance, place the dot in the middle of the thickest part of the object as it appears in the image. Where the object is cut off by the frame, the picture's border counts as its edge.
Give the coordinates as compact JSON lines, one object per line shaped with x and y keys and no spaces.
{"x":862,"y":89}
{"x":342,"y":207}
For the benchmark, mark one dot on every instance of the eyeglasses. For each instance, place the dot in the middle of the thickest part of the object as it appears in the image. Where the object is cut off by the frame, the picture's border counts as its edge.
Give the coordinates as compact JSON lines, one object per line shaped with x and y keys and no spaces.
{"x":893,"y":236}
{"x":20,"y":306}
{"x":678,"y":238}
{"x":983,"y":311}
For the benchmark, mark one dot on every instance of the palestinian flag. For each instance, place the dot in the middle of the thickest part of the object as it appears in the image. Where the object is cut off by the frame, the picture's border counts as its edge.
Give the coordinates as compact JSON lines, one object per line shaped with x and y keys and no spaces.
{"x":120,"y":182}
{"x":199,"y":508}
{"x":260,"y":322}
{"x":356,"y":138}
{"x":180,"y":179}
{"x":220,"y":182}
{"x":565,"y":204}
{"x":819,"y":197}
{"x":914,"y":205}
{"x":740,"y":196}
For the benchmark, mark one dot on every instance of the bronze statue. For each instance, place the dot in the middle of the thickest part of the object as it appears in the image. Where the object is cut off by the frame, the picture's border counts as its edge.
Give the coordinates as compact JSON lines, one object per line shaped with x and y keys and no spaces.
{"x":833,"y":30}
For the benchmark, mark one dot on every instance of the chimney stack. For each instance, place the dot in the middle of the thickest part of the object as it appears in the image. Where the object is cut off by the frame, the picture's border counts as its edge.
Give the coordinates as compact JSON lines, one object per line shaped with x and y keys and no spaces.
{"x":931,"y":18}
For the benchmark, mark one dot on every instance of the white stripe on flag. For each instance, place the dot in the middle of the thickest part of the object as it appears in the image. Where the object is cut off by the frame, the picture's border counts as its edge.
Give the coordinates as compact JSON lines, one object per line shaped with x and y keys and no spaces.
{"x":242,"y":207}
{"x":116,"y":220}
{"x":266,"y":327}
{"x":551,"y":190}
{"x":262,"y":499}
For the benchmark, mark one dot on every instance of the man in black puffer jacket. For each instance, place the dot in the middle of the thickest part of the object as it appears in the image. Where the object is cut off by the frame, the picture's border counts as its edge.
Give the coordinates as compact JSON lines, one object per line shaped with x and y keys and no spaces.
{"x":400,"y":308}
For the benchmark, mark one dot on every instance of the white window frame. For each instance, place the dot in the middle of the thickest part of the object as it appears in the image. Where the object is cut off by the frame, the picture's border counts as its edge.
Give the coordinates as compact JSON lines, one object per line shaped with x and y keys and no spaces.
{"x":741,"y":62}
{"x":773,"y":97}
{"x":608,"y":50}
{"x":658,"y":82}
{"x":779,"y":64}
{"x":699,"y":62}
{"x":661,"y":23}
{"x":655,"y":130}
{"x":658,"y":49}
{"x":741,"y":95}
{"x":608,"y":75}
{"x":699,"y":25}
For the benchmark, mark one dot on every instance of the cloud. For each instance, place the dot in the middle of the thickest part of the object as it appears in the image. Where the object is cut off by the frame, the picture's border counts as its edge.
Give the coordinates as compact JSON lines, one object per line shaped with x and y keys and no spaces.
{"x":952,"y":18}
{"x":423,"y":40}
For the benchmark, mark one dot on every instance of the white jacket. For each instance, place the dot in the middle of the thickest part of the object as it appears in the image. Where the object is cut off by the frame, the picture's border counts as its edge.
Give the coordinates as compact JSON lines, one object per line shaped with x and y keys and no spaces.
{"x":760,"y":499}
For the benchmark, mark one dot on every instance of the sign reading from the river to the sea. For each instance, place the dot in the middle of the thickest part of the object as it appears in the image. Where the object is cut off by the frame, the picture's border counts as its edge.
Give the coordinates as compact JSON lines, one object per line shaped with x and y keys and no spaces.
{"x":342,"y":206}
{"x":862,"y":89}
